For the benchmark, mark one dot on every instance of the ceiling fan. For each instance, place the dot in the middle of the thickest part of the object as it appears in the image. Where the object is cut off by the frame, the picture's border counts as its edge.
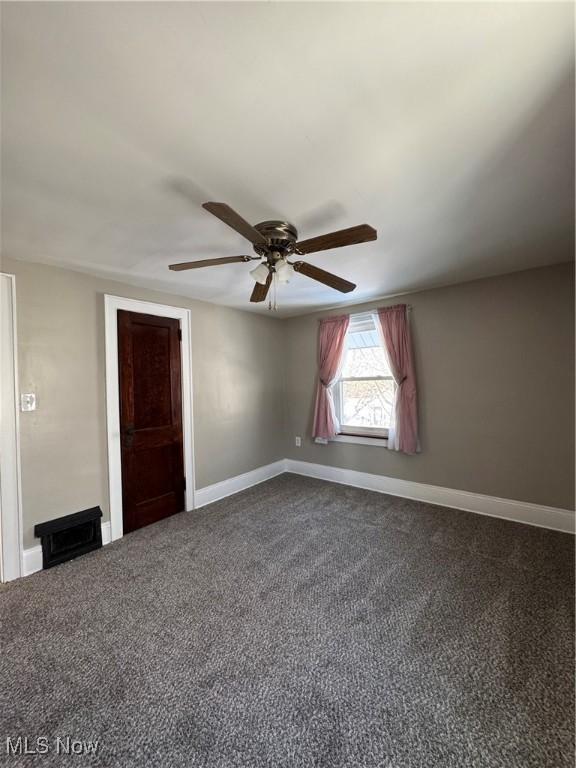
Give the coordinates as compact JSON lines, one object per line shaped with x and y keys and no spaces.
{"x":274,"y":242}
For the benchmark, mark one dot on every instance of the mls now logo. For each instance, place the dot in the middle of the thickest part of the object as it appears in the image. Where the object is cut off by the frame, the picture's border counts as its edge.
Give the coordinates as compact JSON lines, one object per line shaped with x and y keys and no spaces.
{"x":42,"y":745}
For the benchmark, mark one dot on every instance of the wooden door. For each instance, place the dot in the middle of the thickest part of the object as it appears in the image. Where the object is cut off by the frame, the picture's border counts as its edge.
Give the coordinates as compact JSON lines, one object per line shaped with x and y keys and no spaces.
{"x":153,"y":481}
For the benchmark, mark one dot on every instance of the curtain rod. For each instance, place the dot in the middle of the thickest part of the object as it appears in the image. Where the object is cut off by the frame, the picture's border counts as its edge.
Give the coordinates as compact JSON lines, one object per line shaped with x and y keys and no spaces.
{"x":375,"y":309}
{"x":409,"y":308}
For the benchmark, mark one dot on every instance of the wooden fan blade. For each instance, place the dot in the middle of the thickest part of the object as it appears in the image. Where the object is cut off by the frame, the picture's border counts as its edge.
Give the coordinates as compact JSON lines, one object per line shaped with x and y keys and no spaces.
{"x":324,"y":277}
{"x":360,"y":234}
{"x":229,"y":216}
{"x":261,"y":291}
{"x":207,"y":263}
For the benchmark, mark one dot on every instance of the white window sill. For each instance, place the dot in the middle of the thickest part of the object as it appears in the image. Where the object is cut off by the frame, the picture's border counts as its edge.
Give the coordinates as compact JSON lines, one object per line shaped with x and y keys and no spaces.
{"x":381,"y":442}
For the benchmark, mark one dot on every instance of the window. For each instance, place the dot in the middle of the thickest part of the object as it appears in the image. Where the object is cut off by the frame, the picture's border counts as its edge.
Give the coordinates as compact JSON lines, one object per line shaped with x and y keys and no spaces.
{"x":364,"y":393}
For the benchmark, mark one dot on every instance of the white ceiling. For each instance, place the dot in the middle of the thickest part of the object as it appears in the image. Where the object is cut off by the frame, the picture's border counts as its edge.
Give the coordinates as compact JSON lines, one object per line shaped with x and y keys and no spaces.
{"x":448,"y":127}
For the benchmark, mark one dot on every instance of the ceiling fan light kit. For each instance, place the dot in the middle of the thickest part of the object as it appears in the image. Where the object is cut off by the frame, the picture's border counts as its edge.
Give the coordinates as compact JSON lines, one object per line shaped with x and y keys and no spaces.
{"x":274,"y":242}
{"x":260,"y":273}
{"x":284,"y":271}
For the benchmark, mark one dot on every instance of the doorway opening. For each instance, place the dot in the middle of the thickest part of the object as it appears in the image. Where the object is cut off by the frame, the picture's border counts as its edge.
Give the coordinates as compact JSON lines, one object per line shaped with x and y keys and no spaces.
{"x":10,"y":482}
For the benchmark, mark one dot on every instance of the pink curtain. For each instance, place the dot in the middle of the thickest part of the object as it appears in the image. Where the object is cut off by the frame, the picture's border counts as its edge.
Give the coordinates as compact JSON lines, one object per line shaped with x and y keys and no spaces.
{"x":332,"y":337}
{"x":403,"y":434}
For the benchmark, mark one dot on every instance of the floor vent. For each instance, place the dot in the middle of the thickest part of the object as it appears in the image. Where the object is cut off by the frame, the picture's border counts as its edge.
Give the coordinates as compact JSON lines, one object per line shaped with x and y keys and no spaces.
{"x":69,"y":536}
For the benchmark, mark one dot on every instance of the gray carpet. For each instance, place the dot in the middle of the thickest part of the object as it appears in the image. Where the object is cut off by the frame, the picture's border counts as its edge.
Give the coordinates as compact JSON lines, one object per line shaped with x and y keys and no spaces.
{"x":299,"y":624}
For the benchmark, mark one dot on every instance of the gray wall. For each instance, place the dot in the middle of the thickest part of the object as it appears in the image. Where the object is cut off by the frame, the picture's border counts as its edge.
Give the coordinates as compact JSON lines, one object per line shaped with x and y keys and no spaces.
{"x":237,"y":377}
{"x":495,"y":362}
{"x":495,"y":367}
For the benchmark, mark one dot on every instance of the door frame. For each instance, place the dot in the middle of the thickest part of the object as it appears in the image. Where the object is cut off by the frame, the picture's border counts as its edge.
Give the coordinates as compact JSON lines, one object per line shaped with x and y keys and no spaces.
{"x":11,"y":551}
{"x":111,"y":306}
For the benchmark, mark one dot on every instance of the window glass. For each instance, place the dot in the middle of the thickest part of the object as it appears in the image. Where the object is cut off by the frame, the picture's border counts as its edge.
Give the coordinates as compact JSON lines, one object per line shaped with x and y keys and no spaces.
{"x":364,"y":394}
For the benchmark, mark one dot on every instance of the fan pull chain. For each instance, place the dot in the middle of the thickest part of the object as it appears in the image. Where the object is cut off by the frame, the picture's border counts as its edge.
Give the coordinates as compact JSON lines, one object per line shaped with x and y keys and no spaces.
{"x":272,"y":304}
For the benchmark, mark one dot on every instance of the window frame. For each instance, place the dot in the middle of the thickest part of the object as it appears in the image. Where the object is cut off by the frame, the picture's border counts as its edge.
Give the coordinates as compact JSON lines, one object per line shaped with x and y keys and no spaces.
{"x":348,"y":430}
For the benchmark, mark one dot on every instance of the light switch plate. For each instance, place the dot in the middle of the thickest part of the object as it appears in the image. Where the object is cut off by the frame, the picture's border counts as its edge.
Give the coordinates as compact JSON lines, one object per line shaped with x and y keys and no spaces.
{"x":28,"y":401}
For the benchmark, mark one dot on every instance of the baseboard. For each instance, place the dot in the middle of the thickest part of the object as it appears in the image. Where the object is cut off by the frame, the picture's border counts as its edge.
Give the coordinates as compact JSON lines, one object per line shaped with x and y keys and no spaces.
{"x":32,"y":558}
{"x":507,"y":509}
{"x":210,"y":493}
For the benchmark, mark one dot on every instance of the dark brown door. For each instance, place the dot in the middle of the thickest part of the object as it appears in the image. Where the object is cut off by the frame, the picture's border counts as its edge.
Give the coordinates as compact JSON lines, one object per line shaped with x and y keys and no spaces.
{"x":150,"y":418}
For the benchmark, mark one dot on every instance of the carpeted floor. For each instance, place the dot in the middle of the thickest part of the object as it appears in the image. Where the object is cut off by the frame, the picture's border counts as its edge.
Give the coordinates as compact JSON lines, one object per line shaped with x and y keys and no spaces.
{"x":299,"y":624}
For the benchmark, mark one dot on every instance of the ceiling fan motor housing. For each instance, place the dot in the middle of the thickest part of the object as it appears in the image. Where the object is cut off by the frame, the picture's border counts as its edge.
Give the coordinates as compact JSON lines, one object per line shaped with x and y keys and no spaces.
{"x":281,"y":239}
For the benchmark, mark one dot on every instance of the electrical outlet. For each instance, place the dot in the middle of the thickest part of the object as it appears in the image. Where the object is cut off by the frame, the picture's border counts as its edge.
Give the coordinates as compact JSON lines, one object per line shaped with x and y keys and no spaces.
{"x":298,"y":441}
